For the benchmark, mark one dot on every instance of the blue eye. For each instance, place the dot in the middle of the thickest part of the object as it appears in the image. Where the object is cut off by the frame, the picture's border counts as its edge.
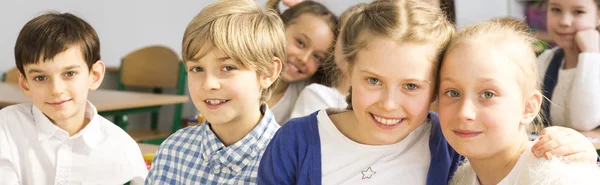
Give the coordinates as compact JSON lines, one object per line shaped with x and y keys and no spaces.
{"x":196,"y":69}
{"x":452,"y":93}
{"x":40,"y":78}
{"x":410,"y":86}
{"x":228,"y":68}
{"x":487,"y":95}
{"x":374,"y":81}
{"x":70,"y":74}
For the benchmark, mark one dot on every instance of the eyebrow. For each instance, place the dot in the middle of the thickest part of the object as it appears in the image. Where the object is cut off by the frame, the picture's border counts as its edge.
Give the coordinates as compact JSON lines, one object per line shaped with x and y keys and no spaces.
{"x":223,"y":59}
{"x":410,"y":79}
{"x":446,"y":79}
{"x":34,"y":70}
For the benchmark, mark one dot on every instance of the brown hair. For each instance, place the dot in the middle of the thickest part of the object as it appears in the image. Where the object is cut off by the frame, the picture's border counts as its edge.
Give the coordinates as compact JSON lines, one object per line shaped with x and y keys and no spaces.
{"x":250,"y":35}
{"x":398,"y":20}
{"x":319,"y":10}
{"x":47,"y":35}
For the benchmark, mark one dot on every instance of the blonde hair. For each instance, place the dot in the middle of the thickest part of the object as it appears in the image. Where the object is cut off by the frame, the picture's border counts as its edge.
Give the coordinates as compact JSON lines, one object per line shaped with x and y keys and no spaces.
{"x":335,"y":73}
{"x":510,"y":37}
{"x":241,"y":29}
{"x":398,"y":20}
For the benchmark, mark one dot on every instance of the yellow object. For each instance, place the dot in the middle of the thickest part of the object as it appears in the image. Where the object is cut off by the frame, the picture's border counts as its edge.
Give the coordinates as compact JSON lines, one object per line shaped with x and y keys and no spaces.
{"x":148,"y":157}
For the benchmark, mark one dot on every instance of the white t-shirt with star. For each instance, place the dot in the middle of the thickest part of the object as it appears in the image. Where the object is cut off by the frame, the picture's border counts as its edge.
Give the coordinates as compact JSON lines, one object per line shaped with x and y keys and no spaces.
{"x":347,"y":162}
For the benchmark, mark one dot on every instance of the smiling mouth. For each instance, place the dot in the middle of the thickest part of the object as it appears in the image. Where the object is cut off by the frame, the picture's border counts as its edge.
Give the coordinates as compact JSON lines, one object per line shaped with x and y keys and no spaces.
{"x":294,"y":68}
{"x":58,"y":103}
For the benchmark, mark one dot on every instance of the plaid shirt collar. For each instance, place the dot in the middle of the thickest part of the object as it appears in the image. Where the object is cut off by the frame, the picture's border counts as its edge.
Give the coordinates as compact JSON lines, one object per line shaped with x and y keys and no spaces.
{"x":239,"y":155}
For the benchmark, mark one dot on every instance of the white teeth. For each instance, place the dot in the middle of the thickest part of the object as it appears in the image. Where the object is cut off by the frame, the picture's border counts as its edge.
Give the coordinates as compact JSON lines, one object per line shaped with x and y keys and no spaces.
{"x":387,"y":121}
{"x":215,"y":102}
{"x":294,"y":68}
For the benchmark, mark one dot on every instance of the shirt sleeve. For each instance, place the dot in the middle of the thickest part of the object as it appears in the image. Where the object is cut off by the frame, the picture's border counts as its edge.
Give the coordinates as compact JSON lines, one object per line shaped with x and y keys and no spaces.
{"x":584,"y":102}
{"x":8,"y":170}
{"x":157,"y":171}
{"x":140,"y":171}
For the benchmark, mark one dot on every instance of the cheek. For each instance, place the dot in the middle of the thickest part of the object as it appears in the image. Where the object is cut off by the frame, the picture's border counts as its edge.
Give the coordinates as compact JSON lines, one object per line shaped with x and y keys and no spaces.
{"x":363,"y":98}
{"x":583,"y":23}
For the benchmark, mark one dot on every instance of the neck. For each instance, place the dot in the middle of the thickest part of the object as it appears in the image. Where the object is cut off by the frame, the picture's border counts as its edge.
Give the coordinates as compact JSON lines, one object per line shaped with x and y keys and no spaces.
{"x":493,"y":169}
{"x":281,"y":87}
{"x":277,"y":93}
{"x":74,"y":124}
{"x":571,"y":58}
{"x":235,"y":130}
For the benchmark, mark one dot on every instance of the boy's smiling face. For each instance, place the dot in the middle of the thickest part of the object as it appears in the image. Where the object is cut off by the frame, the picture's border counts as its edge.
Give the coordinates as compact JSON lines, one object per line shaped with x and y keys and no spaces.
{"x":59,"y":86}
{"x":222,"y":89}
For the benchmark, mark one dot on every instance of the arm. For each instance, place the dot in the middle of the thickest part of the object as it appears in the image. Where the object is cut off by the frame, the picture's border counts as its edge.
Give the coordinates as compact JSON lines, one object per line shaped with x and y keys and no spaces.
{"x":279,"y":162}
{"x":584,"y":101}
{"x":140,"y":172}
{"x":9,"y":174}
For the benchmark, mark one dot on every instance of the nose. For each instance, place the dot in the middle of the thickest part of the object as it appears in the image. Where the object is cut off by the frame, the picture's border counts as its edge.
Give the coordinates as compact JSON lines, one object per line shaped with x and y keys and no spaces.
{"x":57,"y":87}
{"x":390,"y":100}
{"x":566,"y":20}
{"x":210,"y":82}
{"x":466,"y":112}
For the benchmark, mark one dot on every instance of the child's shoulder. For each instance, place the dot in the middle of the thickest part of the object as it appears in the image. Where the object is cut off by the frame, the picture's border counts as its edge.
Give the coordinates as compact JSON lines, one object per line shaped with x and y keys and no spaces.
{"x":299,"y":129}
{"x":555,"y":171}
{"x":308,"y":122}
{"x":188,"y":138}
{"x":19,"y":113}
{"x":17,"y":109}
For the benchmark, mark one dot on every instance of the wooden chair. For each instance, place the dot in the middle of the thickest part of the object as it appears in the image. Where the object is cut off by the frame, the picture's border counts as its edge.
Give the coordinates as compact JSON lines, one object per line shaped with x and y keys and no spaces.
{"x":156,"y":68}
{"x":11,"y":76}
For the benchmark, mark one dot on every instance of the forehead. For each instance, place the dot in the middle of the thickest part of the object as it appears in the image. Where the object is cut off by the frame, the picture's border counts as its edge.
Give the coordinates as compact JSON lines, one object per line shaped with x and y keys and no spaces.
{"x":393,"y":59}
{"x":574,"y":3}
{"x":313,"y":27}
{"x":70,"y":57}
{"x":207,"y":54}
{"x":472,"y":61}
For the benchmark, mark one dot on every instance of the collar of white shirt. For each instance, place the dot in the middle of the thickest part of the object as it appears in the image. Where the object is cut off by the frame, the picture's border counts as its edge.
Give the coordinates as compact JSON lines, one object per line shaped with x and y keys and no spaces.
{"x":91,"y":133}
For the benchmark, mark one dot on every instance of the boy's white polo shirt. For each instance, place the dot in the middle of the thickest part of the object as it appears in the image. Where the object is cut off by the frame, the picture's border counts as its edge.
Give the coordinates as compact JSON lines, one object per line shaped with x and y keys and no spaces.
{"x":35,"y":151}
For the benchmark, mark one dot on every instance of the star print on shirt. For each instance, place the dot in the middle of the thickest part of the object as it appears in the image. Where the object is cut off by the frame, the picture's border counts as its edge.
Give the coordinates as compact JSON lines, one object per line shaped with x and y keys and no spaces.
{"x":368,"y":173}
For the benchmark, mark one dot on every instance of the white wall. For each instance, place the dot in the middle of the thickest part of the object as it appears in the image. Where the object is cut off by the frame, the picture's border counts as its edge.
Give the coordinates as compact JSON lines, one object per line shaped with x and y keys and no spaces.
{"x":122,"y":26}
{"x":474,"y":11}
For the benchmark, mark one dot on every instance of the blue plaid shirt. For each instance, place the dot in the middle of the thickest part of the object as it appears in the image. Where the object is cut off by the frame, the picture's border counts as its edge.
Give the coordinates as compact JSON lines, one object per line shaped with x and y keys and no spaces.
{"x":194,"y":155}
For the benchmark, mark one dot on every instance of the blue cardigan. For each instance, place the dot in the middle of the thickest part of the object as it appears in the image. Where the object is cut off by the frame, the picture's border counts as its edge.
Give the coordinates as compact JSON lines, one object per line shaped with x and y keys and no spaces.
{"x":294,"y":154}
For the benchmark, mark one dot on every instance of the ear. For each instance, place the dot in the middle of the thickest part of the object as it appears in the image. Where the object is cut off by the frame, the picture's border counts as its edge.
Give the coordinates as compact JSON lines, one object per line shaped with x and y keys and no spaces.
{"x":96,"y":75}
{"x":533,"y":105}
{"x":267,"y":80}
{"x":23,"y":84}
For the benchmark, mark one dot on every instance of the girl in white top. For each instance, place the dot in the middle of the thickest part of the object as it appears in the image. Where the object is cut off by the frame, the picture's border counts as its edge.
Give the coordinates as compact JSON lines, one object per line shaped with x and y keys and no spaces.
{"x":489,"y":94}
{"x":318,"y":96}
{"x":576,"y":96}
{"x":310,"y":31}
